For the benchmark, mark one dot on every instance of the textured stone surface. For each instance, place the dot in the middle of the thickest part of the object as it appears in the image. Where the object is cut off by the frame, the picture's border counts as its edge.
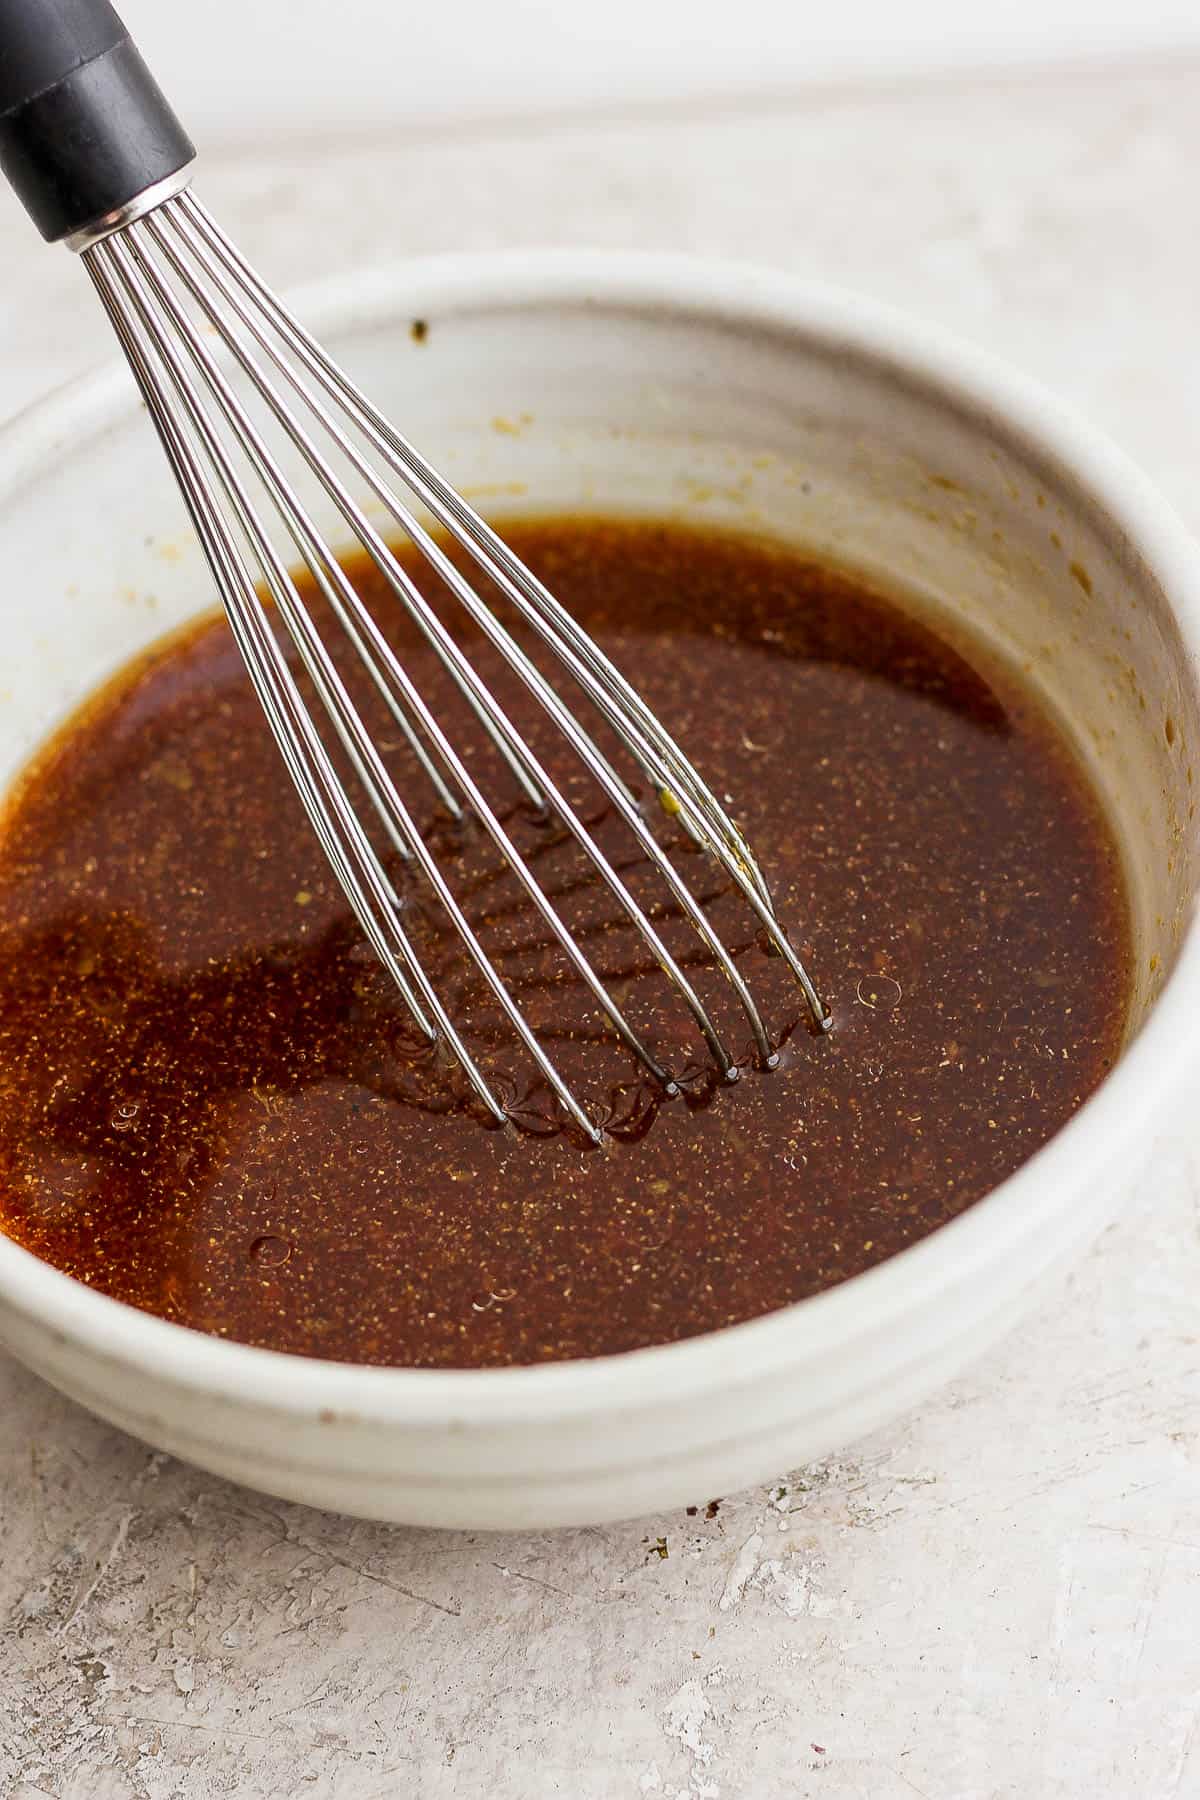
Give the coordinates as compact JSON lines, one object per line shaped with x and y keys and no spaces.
{"x":996,"y":1600}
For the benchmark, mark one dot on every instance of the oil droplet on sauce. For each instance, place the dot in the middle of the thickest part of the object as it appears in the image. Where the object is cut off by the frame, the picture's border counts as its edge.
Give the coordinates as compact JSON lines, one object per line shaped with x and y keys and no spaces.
{"x":879,"y":992}
{"x":269,"y":1251}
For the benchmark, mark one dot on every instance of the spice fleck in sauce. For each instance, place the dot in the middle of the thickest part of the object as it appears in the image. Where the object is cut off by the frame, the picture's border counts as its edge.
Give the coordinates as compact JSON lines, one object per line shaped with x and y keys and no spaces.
{"x":214,"y":1106}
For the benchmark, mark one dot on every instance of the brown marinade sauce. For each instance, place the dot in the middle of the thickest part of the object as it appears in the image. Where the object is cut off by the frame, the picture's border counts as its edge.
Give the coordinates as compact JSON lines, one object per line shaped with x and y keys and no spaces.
{"x":214,"y":1106}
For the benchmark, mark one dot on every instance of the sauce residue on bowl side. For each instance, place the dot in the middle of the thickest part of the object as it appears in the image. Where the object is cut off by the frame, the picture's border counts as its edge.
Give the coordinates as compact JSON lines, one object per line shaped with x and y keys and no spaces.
{"x":214,"y":1106}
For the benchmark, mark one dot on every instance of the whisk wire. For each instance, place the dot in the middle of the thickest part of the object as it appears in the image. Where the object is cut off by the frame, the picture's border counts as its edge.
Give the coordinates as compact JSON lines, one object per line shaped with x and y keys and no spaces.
{"x":514,"y":753}
{"x":502,"y":728}
{"x":289,"y":717}
{"x":271,"y":677}
{"x":483,"y":615}
{"x":317,"y":662}
{"x":132,"y":270}
{"x":354,"y":735}
{"x":464,"y":524}
{"x":644,"y":734}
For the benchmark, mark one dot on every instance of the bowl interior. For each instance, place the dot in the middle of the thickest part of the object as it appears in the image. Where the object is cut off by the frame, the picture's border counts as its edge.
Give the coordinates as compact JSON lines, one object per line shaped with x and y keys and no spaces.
{"x":579,"y":403}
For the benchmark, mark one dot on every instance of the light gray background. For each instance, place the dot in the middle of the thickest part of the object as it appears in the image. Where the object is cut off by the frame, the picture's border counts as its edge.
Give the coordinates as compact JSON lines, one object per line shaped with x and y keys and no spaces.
{"x":997,"y":1600}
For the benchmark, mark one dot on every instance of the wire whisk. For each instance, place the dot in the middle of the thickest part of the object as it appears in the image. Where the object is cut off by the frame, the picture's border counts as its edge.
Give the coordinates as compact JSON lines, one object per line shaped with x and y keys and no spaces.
{"x":188,"y":309}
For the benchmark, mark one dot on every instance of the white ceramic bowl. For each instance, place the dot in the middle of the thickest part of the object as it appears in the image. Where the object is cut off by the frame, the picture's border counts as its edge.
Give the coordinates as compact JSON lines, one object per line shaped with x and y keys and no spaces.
{"x":714,"y":393}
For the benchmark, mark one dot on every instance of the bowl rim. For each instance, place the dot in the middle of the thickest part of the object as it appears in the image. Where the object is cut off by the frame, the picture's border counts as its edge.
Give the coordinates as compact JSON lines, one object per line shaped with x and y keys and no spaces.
{"x":1151,"y":1069}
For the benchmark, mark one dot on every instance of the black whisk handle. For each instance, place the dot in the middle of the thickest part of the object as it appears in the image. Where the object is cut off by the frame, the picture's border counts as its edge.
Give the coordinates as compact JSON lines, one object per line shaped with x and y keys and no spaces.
{"x":84,"y":127}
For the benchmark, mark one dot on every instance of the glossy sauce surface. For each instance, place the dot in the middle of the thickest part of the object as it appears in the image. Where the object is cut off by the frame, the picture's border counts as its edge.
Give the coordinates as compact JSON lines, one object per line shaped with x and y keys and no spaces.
{"x":214,"y":1106}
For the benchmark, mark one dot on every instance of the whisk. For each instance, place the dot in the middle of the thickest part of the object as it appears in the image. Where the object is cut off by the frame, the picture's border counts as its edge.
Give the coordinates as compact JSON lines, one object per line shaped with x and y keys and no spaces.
{"x":101,"y":162}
